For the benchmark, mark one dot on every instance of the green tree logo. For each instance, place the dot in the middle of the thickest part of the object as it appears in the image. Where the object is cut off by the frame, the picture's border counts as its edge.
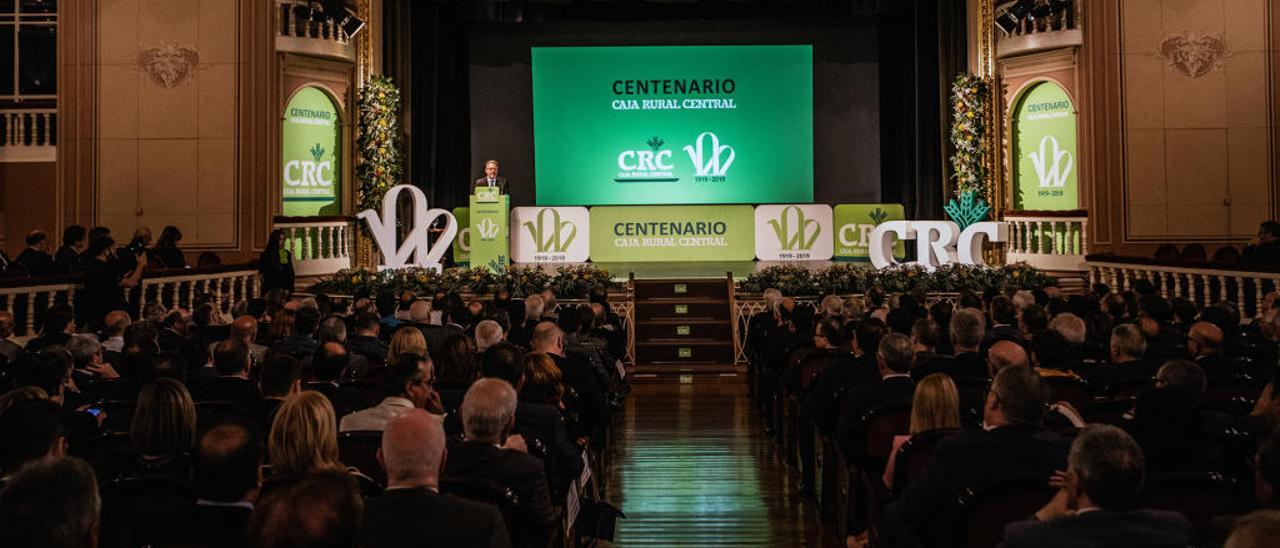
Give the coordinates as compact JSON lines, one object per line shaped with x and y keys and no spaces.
{"x":798,"y":235}
{"x":317,"y":152}
{"x":551,"y":235}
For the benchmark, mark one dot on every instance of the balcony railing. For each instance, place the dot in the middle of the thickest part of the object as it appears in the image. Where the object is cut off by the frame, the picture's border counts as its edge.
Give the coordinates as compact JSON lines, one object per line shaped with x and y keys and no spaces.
{"x":28,"y":298}
{"x":1203,"y":284}
{"x":296,"y":32}
{"x":28,"y":135}
{"x":320,"y":245}
{"x":1061,"y":29}
{"x":1051,"y":240}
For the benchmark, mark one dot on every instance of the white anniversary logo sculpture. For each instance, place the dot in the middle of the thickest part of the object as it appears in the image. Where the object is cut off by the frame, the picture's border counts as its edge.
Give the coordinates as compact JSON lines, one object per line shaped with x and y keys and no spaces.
{"x":415,"y":242}
{"x":940,"y":242}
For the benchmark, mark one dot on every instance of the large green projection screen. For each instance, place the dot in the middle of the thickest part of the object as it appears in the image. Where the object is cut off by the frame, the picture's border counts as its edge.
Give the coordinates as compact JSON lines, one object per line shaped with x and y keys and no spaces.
{"x":673,"y":125}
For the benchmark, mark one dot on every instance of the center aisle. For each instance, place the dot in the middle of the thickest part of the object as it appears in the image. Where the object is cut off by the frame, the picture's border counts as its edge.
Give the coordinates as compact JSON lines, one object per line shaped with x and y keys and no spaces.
{"x":692,"y":467}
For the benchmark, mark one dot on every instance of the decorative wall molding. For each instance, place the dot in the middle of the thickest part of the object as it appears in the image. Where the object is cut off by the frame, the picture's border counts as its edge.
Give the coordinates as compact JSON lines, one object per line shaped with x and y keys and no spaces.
{"x":1194,"y":54}
{"x":168,"y":65}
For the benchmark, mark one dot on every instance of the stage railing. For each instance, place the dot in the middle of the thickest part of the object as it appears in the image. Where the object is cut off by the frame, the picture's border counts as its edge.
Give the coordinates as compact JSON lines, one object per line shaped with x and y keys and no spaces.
{"x":1051,"y":240}
{"x":1202,"y":283}
{"x":1063,"y":28}
{"x":320,"y":245}
{"x":28,"y":135}
{"x":747,"y":305}
{"x":27,"y":299}
{"x":296,"y":32}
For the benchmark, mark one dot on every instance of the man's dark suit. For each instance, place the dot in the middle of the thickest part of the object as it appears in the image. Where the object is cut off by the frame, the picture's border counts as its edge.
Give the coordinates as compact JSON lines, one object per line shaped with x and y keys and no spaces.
{"x":889,"y":391}
{"x":833,"y":383}
{"x":564,"y":457}
{"x":244,"y":392}
{"x":970,"y":459}
{"x":1002,"y":332}
{"x":928,"y":363}
{"x":1102,"y":528}
{"x":421,"y":517}
{"x":216,"y":526}
{"x":1219,"y":368}
{"x":65,"y":260}
{"x":472,"y":461}
{"x":435,"y":335}
{"x":37,"y":263}
{"x":372,"y":348}
{"x":593,"y":408}
{"x":501,"y":183}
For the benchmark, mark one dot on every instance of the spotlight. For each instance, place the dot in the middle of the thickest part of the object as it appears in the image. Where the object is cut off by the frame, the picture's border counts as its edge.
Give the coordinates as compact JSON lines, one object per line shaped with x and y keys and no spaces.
{"x":351,"y":24}
{"x":1010,"y":18}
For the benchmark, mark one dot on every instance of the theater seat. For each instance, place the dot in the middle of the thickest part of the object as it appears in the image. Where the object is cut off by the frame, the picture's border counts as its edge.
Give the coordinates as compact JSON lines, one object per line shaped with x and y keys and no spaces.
{"x":145,"y":510}
{"x":980,"y":516}
{"x":1200,"y":497}
{"x":914,"y":456}
{"x":359,"y":449}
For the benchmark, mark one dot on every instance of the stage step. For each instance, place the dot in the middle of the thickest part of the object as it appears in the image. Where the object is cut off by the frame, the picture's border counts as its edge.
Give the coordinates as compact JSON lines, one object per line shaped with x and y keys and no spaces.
{"x":683,"y":325}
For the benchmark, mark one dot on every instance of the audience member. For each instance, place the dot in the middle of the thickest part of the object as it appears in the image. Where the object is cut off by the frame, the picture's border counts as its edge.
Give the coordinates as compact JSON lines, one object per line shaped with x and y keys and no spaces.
{"x":894,"y":357}
{"x":1097,"y":500}
{"x":163,"y":430}
{"x":32,"y":430}
{"x":75,"y":239}
{"x":35,"y":259}
{"x":228,"y":475}
{"x":408,"y":385}
{"x":321,"y":509}
{"x":407,"y":340}
{"x":412,"y":509}
{"x":935,"y":406}
{"x":365,"y":342}
{"x":51,"y":504}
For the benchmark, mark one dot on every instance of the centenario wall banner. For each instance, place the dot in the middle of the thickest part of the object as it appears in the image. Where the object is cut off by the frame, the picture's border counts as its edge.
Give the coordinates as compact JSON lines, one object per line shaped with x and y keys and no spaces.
{"x":1044,"y":136}
{"x":672,"y":233}
{"x":311,"y":153}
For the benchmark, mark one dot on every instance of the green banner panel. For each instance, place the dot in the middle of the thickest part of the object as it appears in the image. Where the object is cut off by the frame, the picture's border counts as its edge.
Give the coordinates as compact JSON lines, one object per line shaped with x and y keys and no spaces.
{"x":854,"y":223}
{"x":462,"y":244}
{"x":672,"y":233}
{"x":1044,"y":137}
{"x":673,"y":125}
{"x":488,"y":237}
{"x":311,"y":153}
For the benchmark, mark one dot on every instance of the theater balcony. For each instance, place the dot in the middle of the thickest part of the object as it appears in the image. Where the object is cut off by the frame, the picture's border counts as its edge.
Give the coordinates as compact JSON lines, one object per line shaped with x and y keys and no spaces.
{"x":297,"y":32}
{"x":1058,"y":24}
{"x":1055,"y":241}
{"x":28,"y":133}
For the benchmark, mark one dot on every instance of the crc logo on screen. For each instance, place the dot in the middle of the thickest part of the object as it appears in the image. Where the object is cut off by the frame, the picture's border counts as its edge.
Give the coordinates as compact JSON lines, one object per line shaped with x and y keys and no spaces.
{"x":308,"y":172}
{"x":707,"y":155}
{"x":795,"y":232}
{"x":549,"y":233}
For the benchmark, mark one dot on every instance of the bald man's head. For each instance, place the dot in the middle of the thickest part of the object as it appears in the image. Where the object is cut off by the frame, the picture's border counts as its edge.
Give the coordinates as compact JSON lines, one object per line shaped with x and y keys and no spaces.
{"x":1004,"y":354}
{"x":116,"y":322}
{"x":412,"y":450}
{"x":245,"y":328}
{"x":1204,"y":339}
{"x":6,"y":324}
{"x":547,"y":337}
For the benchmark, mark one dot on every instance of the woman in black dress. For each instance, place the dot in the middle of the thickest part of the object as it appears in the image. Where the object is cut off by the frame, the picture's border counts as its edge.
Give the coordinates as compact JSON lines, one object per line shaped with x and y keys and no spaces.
{"x":276,"y":264}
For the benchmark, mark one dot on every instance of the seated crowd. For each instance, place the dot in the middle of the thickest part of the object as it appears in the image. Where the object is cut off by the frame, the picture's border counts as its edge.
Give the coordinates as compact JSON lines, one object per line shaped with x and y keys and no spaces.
{"x":383,"y":421}
{"x":1031,"y":418}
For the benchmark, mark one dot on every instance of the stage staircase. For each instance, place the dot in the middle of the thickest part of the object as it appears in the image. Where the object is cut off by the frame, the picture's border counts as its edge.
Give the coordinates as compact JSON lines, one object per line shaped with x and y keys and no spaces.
{"x":683,"y":326}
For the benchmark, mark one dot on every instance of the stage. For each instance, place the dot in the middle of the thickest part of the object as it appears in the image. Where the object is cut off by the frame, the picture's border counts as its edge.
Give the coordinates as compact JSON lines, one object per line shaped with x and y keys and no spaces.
{"x":621,"y":272}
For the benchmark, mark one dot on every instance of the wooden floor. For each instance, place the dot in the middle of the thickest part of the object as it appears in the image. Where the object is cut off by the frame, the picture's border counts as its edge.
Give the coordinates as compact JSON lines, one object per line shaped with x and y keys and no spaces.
{"x":692,"y":467}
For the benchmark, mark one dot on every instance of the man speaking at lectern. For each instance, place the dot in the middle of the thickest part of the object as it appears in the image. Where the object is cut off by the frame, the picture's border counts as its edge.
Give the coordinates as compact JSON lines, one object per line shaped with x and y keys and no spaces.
{"x":491,"y":178}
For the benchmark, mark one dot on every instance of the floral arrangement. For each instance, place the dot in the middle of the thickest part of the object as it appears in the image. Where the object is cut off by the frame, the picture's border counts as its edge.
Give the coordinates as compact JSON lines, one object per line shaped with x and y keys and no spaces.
{"x":378,"y":143}
{"x":970,"y":97}
{"x":849,"y":278}
{"x":568,"y":282}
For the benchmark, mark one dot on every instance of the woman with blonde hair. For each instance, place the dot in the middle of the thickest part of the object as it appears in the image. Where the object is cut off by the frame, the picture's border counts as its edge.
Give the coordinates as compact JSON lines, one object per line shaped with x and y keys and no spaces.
{"x":543,"y":383}
{"x":407,"y":340}
{"x":163,"y":430}
{"x":304,"y":436}
{"x":935,"y":406}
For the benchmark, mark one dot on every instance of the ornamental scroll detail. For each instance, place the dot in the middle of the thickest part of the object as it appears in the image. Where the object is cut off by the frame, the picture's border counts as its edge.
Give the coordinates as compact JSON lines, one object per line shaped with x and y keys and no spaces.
{"x":1194,"y":54}
{"x":168,"y":65}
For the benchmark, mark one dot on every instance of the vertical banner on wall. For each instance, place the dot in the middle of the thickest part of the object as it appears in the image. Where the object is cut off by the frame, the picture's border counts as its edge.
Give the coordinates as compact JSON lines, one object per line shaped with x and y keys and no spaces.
{"x":1044,"y":141}
{"x":550,"y":235}
{"x":311,"y":150}
{"x":462,"y":246}
{"x":854,"y":223}
{"x":793,"y":232}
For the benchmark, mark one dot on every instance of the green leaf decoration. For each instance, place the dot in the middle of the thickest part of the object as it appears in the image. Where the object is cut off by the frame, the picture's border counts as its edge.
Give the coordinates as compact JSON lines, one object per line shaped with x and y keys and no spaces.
{"x":878,"y":216}
{"x":969,"y":210}
{"x":852,"y":278}
{"x":317,"y":152}
{"x":655,"y":143}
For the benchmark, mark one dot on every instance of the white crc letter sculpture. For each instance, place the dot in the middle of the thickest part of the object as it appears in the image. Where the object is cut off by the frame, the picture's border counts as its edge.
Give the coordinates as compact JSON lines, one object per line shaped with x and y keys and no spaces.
{"x":940,"y":242}
{"x":415,"y":242}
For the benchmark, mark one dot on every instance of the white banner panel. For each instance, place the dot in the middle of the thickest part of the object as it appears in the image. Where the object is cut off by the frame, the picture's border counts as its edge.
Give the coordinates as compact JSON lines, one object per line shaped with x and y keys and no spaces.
{"x":550,"y":235}
{"x":794,"y":232}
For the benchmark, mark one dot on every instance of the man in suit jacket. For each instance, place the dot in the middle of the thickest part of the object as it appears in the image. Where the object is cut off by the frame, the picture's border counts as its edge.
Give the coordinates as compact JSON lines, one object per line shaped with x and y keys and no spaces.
{"x":35,"y":258}
{"x":578,"y":374}
{"x":1095,"y":502}
{"x":1016,"y":445}
{"x":894,"y":358}
{"x":1004,"y":323}
{"x":232,"y":362}
{"x":412,"y":512}
{"x":488,"y":456}
{"x":491,"y":178}
{"x":1205,"y":343}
